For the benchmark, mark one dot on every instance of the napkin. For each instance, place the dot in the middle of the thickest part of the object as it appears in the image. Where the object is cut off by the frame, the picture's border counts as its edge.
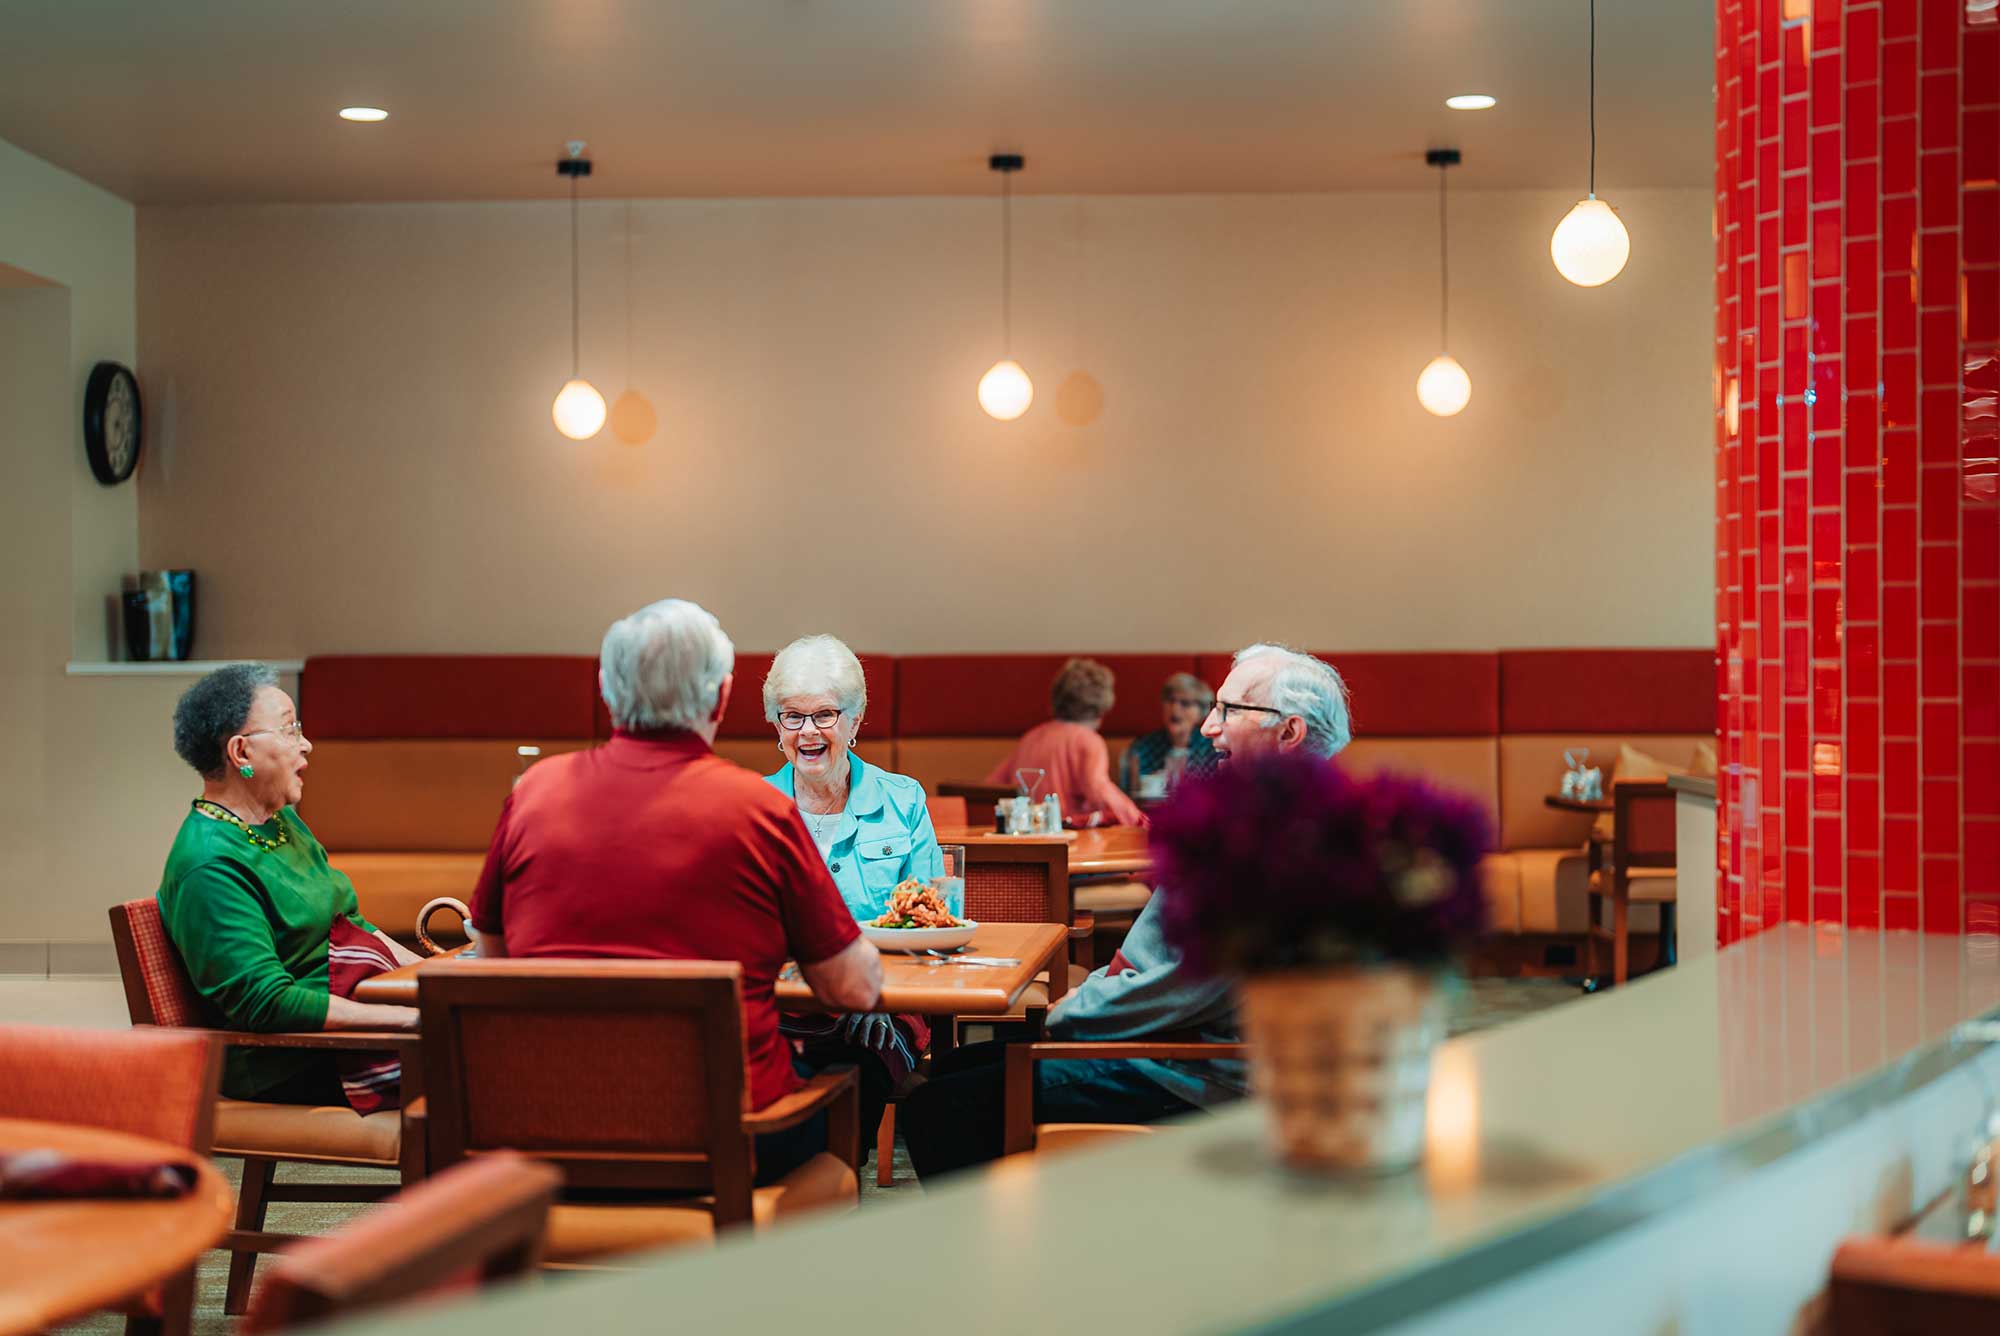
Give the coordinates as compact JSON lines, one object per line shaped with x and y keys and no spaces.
{"x":49,"y":1174}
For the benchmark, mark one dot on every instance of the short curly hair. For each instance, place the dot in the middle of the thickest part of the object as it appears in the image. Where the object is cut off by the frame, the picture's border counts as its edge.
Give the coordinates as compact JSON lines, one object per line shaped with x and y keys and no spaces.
{"x":1082,"y":691}
{"x":213,"y":710}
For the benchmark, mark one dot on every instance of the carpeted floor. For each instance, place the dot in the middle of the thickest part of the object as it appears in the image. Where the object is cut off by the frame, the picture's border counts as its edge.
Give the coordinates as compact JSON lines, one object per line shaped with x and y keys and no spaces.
{"x":1474,"y":1005}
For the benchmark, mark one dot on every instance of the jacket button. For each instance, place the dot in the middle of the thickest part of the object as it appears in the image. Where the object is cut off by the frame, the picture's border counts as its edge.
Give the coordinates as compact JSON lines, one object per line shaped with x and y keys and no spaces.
{"x":885,"y":851}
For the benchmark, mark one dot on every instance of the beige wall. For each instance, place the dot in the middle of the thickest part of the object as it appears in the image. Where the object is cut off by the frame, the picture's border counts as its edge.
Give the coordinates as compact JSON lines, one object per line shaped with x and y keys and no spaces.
{"x":87,"y":800}
{"x":354,"y":445}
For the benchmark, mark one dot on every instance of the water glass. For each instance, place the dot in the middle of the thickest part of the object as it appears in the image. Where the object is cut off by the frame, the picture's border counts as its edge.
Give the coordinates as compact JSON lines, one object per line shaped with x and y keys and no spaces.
{"x":950,"y":885}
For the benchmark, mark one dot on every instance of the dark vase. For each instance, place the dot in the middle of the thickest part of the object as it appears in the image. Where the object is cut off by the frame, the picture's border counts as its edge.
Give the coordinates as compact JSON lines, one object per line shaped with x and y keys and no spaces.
{"x":180,"y":588}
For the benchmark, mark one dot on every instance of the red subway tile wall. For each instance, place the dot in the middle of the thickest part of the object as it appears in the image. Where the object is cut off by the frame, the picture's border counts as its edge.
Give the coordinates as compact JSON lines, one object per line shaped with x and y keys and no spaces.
{"x":1857,"y":342}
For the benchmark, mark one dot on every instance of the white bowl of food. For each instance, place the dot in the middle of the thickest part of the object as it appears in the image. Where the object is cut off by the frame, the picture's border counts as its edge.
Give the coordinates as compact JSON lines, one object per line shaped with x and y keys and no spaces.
{"x":918,"y":919}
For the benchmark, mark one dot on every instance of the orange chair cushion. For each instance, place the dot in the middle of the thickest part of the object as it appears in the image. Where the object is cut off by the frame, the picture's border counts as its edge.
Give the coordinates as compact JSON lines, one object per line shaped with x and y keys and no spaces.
{"x":582,"y":1232}
{"x":326,"y":1134}
{"x":1111,"y":897}
{"x":1643,"y":885}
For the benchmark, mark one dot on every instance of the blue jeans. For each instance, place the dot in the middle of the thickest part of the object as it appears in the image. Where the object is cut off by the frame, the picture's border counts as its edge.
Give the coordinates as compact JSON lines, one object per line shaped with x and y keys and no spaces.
{"x":957,"y":1119}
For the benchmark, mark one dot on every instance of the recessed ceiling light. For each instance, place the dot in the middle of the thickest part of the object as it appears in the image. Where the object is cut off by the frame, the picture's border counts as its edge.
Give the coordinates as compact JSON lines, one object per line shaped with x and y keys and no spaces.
{"x":1469,"y":102}
{"x":363,"y":114}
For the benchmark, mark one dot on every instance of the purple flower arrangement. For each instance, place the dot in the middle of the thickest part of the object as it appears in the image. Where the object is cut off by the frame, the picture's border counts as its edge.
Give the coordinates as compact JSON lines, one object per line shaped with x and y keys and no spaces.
{"x":1287,"y":862}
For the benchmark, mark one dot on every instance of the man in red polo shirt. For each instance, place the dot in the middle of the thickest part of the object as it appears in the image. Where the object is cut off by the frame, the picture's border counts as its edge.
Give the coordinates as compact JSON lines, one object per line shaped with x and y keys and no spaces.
{"x":652,"y":846}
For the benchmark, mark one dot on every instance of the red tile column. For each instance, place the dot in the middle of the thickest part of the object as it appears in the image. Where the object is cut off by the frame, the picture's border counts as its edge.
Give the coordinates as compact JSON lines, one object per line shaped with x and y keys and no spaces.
{"x":1857,"y":343}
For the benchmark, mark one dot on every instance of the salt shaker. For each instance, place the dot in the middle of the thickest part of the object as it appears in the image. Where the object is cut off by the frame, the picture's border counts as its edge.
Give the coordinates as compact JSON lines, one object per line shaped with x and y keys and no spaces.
{"x":1052,"y":807}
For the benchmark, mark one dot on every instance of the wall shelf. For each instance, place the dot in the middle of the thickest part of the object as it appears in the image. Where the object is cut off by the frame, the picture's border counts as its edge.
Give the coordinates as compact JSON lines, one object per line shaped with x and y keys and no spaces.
{"x":183,"y":668}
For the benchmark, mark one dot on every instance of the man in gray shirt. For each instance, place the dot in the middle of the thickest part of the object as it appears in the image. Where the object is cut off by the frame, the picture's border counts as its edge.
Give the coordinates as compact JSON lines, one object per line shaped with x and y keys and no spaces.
{"x":1274,"y":699}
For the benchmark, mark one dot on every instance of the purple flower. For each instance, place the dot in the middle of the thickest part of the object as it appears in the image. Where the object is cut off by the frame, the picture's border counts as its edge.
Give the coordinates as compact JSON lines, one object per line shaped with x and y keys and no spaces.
{"x":1286,"y":861}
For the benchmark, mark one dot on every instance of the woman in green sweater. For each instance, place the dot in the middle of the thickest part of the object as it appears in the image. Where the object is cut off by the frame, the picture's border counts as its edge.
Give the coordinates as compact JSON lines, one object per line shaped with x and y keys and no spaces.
{"x":248,"y":896}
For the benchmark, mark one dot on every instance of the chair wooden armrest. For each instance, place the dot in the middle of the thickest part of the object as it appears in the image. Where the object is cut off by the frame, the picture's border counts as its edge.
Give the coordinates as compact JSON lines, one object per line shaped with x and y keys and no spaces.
{"x":836,"y":1090}
{"x":789,"y":1111}
{"x":1082,"y":926}
{"x":1019,"y":1106}
{"x":408,"y":1043}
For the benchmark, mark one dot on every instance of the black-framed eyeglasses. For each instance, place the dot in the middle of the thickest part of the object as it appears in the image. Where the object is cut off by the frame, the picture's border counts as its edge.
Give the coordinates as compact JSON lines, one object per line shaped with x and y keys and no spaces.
{"x":1223,"y":707}
{"x":792,"y":720}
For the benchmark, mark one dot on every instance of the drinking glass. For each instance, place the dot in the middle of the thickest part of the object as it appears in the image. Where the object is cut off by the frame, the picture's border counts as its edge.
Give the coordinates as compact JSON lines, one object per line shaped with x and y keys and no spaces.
{"x":950,"y":884}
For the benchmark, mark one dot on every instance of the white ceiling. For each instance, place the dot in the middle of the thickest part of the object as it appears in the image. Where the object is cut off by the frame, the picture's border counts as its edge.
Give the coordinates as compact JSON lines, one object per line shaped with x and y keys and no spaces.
{"x":211,"y":100}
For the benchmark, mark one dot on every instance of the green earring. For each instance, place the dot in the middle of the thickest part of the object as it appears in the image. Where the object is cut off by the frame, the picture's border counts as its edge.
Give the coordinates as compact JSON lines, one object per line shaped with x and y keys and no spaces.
{"x":248,"y":772}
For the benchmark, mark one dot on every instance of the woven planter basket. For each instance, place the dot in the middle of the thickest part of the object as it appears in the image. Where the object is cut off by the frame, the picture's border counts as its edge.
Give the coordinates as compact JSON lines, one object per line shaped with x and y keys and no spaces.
{"x":1342,"y":1060}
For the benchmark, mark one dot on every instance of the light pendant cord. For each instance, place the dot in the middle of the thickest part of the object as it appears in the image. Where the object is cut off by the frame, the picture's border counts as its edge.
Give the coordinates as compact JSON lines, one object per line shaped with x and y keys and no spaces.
{"x":1007,"y":263}
{"x":1444,"y":271}
{"x":1593,"y":99}
{"x":575,"y":361}
{"x":628,"y":292}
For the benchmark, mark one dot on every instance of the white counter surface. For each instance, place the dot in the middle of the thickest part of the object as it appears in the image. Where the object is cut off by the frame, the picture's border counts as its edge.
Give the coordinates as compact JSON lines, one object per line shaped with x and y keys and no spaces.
{"x":1545,"y":1136}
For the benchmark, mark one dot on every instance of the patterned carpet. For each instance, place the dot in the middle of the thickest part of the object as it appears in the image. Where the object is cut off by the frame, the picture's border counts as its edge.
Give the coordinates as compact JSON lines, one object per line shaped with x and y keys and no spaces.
{"x":1474,"y":1005}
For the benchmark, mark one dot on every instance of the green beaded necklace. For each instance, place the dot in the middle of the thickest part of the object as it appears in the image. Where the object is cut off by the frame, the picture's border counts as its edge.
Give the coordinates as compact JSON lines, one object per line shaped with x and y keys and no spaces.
{"x":215,"y":811}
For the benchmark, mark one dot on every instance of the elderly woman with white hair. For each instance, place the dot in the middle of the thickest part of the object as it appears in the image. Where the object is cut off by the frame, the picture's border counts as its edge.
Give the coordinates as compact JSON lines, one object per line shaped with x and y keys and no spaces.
{"x":872,"y":827}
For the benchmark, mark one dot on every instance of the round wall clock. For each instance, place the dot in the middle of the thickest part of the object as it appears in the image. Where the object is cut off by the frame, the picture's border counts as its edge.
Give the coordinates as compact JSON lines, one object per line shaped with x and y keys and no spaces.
{"x":111,"y":422}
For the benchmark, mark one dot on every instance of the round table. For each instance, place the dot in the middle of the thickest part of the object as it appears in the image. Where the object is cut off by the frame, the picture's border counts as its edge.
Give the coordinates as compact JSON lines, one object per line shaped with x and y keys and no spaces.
{"x":62,"y":1259}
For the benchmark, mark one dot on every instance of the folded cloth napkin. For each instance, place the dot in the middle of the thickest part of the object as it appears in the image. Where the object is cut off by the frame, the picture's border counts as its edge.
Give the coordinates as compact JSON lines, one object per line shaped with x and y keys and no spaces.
{"x":49,"y":1174}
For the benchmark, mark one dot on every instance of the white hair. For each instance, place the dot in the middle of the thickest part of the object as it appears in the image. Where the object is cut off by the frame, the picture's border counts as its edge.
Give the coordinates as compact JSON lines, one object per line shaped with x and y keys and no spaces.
{"x":1310,"y":689}
{"x":662,"y":667}
{"x":812,"y":665}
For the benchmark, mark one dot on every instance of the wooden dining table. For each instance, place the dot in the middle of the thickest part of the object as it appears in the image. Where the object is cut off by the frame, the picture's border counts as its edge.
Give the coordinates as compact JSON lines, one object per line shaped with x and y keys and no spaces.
{"x":62,"y":1259}
{"x":1094,"y":852}
{"x":911,"y":986}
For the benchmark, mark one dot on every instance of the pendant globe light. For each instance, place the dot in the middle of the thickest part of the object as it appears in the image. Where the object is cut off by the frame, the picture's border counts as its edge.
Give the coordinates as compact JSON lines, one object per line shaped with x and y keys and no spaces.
{"x":1005,"y":390}
{"x":579,"y":409}
{"x":1443,"y":388}
{"x":1590,"y":245}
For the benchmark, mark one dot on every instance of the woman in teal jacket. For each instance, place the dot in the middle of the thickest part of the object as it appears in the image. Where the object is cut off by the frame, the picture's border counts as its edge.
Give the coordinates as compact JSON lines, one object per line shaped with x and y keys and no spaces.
{"x":872,"y":828}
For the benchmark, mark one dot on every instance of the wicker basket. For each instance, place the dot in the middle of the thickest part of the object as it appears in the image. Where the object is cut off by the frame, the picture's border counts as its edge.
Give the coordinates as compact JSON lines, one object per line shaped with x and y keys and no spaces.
{"x":1342,"y":1060}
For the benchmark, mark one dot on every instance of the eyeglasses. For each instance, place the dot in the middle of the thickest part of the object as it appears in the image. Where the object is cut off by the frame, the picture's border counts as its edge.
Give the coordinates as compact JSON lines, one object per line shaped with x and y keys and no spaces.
{"x":1223,"y":707}
{"x":292,"y":732}
{"x":792,"y":721}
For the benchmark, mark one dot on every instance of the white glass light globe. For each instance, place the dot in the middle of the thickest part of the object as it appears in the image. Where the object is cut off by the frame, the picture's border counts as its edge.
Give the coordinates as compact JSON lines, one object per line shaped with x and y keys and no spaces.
{"x":1590,"y":245}
{"x":1444,"y":388}
{"x":1005,"y":391}
{"x":578,"y":410}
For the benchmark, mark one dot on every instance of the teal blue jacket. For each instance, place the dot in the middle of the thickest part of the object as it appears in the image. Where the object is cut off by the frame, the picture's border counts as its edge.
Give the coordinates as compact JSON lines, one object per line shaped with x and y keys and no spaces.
{"x":883,"y":837}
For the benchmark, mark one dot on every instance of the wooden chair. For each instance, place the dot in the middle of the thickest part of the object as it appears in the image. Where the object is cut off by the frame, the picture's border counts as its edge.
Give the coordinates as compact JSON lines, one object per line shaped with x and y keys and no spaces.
{"x":485,"y":1220}
{"x":950,"y":811}
{"x":625,"y":1074}
{"x":1907,"y":1287}
{"x":1008,"y":881}
{"x":158,"y":992}
{"x":1642,"y":867}
{"x":146,"y":1083}
{"x":1023,"y":1134}
{"x":980,"y":798}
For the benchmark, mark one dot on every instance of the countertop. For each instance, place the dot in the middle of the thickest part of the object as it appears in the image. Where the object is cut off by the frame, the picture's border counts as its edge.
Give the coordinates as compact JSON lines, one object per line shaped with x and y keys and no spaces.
{"x":1544,"y":1136}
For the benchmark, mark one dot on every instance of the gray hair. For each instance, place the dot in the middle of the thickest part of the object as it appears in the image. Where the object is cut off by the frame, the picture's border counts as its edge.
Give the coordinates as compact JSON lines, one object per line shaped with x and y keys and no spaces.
{"x":1310,"y":689}
{"x":1187,"y":684}
{"x":815,"y":664}
{"x":213,"y":710}
{"x":663,"y":666}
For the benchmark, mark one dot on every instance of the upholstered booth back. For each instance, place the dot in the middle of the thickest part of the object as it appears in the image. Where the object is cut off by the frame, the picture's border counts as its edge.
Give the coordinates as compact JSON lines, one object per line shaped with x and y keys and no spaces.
{"x":414,"y":754}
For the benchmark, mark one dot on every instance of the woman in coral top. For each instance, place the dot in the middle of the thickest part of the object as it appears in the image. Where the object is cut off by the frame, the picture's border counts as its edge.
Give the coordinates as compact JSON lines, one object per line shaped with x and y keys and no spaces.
{"x":1070,"y":751}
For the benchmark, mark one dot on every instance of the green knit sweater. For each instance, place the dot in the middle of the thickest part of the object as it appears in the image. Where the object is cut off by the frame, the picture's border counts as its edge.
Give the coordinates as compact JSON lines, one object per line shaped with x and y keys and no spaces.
{"x":252,"y":926}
